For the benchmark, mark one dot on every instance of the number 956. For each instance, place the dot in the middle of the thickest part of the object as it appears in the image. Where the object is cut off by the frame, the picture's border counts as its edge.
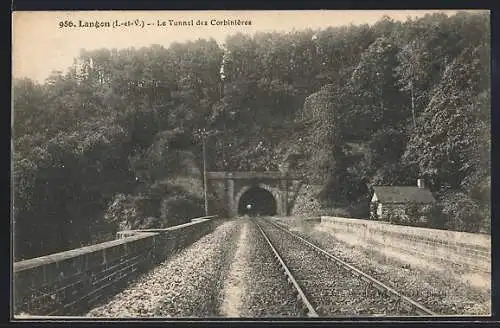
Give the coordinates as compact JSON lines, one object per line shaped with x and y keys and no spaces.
{"x":66,"y":23}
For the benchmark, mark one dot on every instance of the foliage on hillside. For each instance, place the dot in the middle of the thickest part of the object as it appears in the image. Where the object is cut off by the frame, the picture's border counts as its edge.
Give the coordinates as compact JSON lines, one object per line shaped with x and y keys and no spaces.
{"x":336,"y":103}
{"x":306,"y":203}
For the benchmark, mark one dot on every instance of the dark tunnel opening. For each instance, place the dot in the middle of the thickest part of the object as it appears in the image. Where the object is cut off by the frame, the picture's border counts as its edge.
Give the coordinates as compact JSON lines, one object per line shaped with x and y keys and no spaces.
{"x":256,"y":202}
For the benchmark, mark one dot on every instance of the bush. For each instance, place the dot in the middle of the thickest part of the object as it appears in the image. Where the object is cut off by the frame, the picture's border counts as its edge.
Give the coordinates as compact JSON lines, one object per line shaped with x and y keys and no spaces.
{"x":130,"y":212}
{"x":462,"y":212}
{"x":152,"y":223}
{"x":485,"y":223}
{"x":360,"y":209}
{"x":416,"y":215}
{"x":158,"y":206}
{"x":179,"y":209}
{"x":162,"y":189}
{"x":434,"y":216}
{"x":306,"y":202}
{"x":393,"y":218}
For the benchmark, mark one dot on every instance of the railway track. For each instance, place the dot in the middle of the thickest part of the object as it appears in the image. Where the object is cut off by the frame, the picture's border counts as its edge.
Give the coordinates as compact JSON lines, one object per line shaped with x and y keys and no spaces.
{"x":329,"y":287}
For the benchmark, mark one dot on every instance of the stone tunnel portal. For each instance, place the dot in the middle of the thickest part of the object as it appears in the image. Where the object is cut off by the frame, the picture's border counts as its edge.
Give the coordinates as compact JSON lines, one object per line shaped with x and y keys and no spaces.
{"x":257,"y":201}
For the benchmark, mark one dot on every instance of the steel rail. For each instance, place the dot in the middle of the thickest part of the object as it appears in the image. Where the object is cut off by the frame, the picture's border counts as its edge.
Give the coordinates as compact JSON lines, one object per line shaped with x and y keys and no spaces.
{"x":419,"y":309}
{"x":311,"y":312}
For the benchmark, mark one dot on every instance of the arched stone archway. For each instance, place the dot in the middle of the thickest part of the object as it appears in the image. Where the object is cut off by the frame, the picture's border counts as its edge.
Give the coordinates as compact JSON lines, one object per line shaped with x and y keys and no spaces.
{"x":230,"y":187}
{"x":257,"y":201}
{"x":247,"y":187}
{"x":262,"y":198}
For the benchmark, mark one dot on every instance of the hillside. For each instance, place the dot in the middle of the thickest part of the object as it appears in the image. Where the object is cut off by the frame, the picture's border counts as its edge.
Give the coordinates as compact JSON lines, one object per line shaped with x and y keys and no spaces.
{"x":114,"y":140}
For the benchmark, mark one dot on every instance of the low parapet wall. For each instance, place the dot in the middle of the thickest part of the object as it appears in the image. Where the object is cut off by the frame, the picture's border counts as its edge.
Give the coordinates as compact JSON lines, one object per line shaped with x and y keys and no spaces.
{"x":73,"y":282}
{"x":472,"y":250}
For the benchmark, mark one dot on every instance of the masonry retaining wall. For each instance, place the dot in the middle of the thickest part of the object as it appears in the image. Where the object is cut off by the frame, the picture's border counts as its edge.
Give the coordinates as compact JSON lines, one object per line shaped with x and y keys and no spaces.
{"x":75,"y":281}
{"x":470,"y":250}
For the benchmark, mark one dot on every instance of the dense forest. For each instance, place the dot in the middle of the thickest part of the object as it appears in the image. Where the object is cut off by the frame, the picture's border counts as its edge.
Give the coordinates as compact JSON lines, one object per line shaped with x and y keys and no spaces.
{"x":112,"y":143}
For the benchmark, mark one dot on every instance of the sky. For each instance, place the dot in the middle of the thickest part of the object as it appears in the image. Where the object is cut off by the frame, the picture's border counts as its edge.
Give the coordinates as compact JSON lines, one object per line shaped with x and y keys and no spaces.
{"x":40,"y":45}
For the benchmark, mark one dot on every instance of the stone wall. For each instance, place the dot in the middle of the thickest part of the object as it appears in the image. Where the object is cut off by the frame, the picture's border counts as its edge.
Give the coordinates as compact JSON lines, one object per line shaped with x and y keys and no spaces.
{"x":72,"y":282}
{"x":470,"y":250}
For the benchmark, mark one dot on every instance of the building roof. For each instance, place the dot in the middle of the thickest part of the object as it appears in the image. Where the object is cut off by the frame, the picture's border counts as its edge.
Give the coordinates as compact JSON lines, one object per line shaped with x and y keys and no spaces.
{"x":396,"y":194}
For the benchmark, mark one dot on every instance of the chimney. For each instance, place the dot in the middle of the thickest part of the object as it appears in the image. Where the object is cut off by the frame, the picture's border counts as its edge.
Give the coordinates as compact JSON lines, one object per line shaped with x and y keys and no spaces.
{"x":420,"y":183}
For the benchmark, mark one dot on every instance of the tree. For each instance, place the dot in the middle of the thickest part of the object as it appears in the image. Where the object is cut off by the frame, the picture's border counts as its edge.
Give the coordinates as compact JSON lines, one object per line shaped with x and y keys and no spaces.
{"x":443,"y":145}
{"x":335,"y":103}
{"x":377,"y":101}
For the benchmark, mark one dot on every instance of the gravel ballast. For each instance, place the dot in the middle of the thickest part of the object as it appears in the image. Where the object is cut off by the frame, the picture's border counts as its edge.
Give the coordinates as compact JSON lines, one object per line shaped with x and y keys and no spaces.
{"x":440,"y":291}
{"x":232,"y":272}
{"x":332,"y":291}
{"x":234,"y":284}
{"x":268,"y":292}
{"x":187,"y":285}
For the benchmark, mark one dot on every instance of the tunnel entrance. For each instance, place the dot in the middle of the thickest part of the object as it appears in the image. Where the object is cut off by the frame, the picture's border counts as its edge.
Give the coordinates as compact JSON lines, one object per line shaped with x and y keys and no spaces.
{"x":257,"y":201}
